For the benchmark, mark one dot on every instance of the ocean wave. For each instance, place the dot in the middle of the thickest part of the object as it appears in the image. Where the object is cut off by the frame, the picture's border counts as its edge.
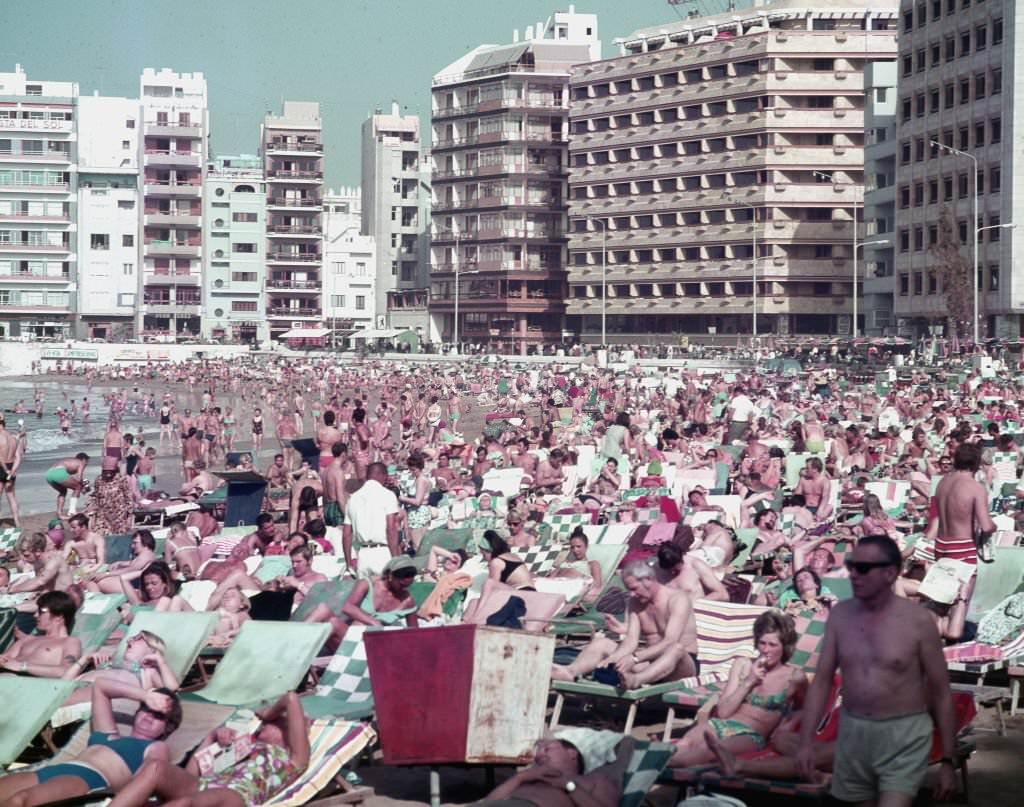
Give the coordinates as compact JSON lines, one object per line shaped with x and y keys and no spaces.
{"x":44,"y":440}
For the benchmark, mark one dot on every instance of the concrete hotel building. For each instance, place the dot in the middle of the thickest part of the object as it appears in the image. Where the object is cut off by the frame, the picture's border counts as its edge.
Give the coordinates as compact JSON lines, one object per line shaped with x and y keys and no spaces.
{"x":235,"y":234}
{"x":174,"y":129}
{"x":293,"y":155}
{"x":498,"y":156}
{"x":350,"y":265}
{"x":38,"y":184}
{"x":693,"y":160}
{"x":954,"y":57}
{"x":108,"y":217}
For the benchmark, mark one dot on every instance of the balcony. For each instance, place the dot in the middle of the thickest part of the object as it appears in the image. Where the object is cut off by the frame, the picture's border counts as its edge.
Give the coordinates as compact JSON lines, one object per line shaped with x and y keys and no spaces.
{"x":33,"y":277}
{"x":21,"y":217}
{"x":277,"y":312}
{"x":192,"y":159}
{"x":25,"y":246}
{"x":277,"y":147}
{"x":296,"y":285}
{"x":34,"y":156}
{"x":292,"y":230}
{"x":173,"y":219}
{"x":282,"y":175}
{"x":19,"y":184}
{"x":16,"y":307}
{"x":164,"y":276}
{"x":173,"y":129}
{"x":293,"y":257}
{"x":284,"y":201}
{"x":153,"y":187}
{"x":179,"y":249}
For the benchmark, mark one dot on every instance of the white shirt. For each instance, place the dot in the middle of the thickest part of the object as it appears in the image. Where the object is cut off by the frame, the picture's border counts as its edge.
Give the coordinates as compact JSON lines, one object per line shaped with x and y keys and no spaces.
{"x":367,"y":513}
{"x":742,"y":408}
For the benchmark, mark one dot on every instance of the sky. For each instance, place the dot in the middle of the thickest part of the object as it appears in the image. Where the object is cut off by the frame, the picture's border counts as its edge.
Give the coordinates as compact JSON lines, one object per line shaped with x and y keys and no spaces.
{"x":352,"y":56}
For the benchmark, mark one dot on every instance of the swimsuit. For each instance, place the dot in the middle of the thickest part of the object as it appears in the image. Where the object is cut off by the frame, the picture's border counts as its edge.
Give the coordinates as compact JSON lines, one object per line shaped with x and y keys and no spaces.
{"x":145,"y":481}
{"x":113,"y":451}
{"x":509,"y":569}
{"x":132,"y":750}
{"x":93,"y":779}
{"x":257,"y":426}
{"x":384,"y":617}
{"x":725,"y":728}
{"x":58,"y":475}
{"x":266,"y":771}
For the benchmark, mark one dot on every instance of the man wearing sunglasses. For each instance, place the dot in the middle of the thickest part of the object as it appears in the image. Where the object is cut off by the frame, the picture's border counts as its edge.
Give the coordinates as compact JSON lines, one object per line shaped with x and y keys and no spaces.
{"x":894,"y":685}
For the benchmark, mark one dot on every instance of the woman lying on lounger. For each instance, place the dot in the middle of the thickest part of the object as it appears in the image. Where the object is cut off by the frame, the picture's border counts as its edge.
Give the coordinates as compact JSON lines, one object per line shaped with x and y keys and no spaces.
{"x":280,"y":753}
{"x":110,"y":760}
{"x":143,"y":665}
{"x":758,"y":694}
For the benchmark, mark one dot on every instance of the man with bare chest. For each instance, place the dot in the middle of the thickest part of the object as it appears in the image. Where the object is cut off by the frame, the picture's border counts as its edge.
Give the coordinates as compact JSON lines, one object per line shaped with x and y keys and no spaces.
{"x":894,"y":686}
{"x":50,"y":654}
{"x":962,"y":505}
{"x":661,"y":617}
{"x":326,"y":436}
{"x":51,"y":571}
{"x":690,"y":575}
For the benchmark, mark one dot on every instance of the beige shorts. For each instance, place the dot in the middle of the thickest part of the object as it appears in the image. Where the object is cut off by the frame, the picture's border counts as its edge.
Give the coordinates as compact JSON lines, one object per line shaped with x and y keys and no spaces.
{"x":878,"y":756}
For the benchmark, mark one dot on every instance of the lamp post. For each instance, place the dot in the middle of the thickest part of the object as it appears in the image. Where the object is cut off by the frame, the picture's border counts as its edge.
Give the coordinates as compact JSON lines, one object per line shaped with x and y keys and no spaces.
{"x":455,"y":326}
{"x":604,"y":275}
{"x":974,"y":220}
{"x":977,"y":280}
{"x":753,"y":259}
{"x":857,"y":205}
{"x":879,"y":242}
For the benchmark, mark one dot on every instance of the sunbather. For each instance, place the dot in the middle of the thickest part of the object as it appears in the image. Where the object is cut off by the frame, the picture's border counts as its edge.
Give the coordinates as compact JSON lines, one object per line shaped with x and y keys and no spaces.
{"x":754,"y":700}
{"x":158,"y":588}
{"x":181,"y":551}
{"x":231,"y":615}
{"x":56,"y":650}
{"x":279,"y":754}
{"x":110,"y":760}
{"x":143,"y":546}
{"x":143,"y":665}
{"x":578,"y":565}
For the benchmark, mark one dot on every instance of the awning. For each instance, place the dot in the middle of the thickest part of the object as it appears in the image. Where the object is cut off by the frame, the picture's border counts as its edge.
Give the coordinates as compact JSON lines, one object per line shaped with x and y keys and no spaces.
{"x":305,"y":333}
{"x":379,"y":333}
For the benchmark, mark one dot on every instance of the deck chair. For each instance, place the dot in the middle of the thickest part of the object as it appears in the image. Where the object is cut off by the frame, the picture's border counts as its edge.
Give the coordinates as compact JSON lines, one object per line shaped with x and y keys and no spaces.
{"x":617,"y":534}
{"x":996,"y":580}
{"x":540,"y":608}
{"x":26,"y":705}
{"x":731,"y":506}
{"x":506,"y":481}
{"x":332,"y":593}
{"x":795,"y":464}
{"x":892,"y":493}
{"x":332,"y":745}
{"x":562,"y":524}
{"x":343,"y":690}
{"x":266,"y":660}
{"x":608,"y":557}
{"x":97,"y":619}
{"x":9,"y":540}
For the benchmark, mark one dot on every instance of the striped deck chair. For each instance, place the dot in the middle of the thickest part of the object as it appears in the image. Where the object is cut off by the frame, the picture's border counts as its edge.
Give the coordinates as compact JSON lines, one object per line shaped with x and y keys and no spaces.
{"x":1004,"y":470}
{"x":26,"y":705}
{"x":332,"y":745}
{"x":9,"y":540}
{"x":892,"y":493}
{"x":8,"y":619}
{"x":631,"y":494}
{"x":343,"y":690}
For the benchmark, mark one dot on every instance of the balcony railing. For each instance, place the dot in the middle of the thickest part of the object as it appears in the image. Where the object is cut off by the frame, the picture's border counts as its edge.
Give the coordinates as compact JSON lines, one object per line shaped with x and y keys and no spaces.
{"x":28,"y":246}
{"x":21,"y":214}
{"x":18,"y":182}
{"x":277,"y":145}
{"x":293,"y":257}
{"x":285,"y":313}
{"x":295,"y":229}
{"x":282,"y":201}
{"x":280,"y":173}
{"x":299,"y":285}
{"x":34,"y":276}
{"x":36,"y":154}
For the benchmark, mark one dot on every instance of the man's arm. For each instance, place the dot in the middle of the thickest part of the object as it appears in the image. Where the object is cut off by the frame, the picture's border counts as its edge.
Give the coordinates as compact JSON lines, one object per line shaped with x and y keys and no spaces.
{"x":630,"y":640}
{"x":392,"y":531}
{"x":680,"y":612}
{"x":982,"y":519}
{"x":940,"y":703}
{"x":817,"y":695}
{"x":41,"y":580}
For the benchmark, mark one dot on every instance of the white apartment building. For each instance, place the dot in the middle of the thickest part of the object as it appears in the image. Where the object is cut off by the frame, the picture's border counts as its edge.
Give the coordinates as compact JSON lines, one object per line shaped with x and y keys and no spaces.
{"x":108,"y":217}
{"x":175,"y":130}
{"x":393,"y":202}
{"x":38,"y":184}
{"x":349,"y":265}
{"x":499,"y":152}
{"x":235,"y":239}
{"x":716,"y":170}
{"x":957,"y":87}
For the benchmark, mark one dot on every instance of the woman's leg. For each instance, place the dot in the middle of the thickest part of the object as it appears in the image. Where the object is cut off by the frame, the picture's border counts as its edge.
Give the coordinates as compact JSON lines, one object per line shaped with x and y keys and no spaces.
{"x":156,"y":777}
{"x":57,"y":789}
{"x":15,"y":782}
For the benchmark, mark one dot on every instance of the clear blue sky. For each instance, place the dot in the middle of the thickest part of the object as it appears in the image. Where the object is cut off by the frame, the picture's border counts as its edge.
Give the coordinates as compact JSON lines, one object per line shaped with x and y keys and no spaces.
{"x":350,"y":55}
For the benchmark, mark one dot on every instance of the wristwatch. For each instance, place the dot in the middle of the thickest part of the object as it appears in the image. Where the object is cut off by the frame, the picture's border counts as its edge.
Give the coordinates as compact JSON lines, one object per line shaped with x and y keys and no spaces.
{"x":570,"y":786}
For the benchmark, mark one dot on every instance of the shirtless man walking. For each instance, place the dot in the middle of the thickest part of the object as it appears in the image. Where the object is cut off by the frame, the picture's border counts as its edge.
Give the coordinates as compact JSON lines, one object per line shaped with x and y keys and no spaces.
{"x":334,"y":477}
{"x":662,"y":617}
{"x":50,"y":653}
{"x":10,"y":460}
{"x":326,"y":436}
{"x":894,"y":685}
{"x":962,"y":505}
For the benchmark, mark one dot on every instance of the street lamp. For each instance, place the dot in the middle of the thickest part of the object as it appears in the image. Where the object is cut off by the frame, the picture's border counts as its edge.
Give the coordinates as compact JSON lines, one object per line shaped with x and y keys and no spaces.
{"x":604,"y":274}
{"x":879,"y":242}
{"x":455,"y":327}
{"x":977,"y":280}
{"x":753,"y":257}
{"x":974,"y":160}
{"x":857,"y":204}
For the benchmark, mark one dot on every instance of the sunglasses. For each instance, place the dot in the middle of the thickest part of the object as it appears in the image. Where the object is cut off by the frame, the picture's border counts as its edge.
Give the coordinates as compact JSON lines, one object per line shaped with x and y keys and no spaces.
{"x":864,"y":566}
{"x":161,"y":715}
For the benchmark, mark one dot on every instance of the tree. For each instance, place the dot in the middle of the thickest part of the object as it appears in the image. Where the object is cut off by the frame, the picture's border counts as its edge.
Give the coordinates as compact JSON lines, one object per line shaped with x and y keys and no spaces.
{"x":955,"y":275}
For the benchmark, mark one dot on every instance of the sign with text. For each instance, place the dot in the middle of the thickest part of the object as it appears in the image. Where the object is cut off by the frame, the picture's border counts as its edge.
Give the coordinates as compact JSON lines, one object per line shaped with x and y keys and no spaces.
{"x":66,"y":354}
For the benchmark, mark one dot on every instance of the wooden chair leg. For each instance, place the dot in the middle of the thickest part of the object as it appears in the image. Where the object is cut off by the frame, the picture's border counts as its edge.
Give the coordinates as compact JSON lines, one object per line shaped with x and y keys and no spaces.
{"x":669,"y":719}
{"x":630,"y":717}
{"x":556,"y":712}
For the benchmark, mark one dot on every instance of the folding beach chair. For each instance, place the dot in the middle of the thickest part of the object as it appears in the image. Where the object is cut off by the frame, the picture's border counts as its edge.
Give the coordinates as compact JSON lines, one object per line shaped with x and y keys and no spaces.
{"x":563,"y":524}
{"x":265,"y":660}
{"x":892,"y":493}
{"x":26,"y":705}
{"x":343,"y":690}
{"x":97,"y":619}
{"x":9,"y":540}
{"x":541,"y":609}
{"x":331,"y":593}
{"x":608,"y":557}
{"x":8,"y":619}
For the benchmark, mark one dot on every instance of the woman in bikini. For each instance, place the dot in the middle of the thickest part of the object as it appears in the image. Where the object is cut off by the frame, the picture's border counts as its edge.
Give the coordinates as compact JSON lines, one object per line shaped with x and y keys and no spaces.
{"x":257,"y":431}
{"x":754,"y":701}
{"x":181,"y":551}
{"x":143,"y":664}
{"x":159,"y":589}
{"x":360,"y":444}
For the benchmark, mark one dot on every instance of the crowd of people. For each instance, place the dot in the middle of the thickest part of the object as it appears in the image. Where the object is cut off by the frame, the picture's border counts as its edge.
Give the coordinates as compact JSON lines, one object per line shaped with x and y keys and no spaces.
{"x":786,"y":489}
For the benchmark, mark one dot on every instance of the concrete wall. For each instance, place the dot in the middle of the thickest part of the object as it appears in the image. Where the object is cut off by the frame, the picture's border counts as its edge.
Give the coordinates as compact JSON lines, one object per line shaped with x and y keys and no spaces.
{"x":16,"y":357}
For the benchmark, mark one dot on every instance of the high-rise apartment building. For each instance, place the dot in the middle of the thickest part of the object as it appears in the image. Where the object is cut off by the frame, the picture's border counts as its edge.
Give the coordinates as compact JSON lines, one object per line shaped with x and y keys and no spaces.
{"x":109,"y":271}
{"x":293,"y":153}
{"x":235,"y":236}
{"x":38,"y":185}
{"x":392,"y":201}
{"x":714,"y":150}
{"x":500,"y":118}
{"x":954,"y":56}
{"x":174,"y":144}
{"x":349,"y":265}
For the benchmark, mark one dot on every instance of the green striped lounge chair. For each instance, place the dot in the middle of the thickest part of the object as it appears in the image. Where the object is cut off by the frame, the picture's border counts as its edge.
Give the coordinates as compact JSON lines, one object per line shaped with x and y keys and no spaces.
{"x":26,"y":705}
{"x":343,"y":690}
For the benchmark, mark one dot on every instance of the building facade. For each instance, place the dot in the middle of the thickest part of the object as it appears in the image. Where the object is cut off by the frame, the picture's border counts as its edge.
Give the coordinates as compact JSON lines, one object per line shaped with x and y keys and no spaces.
{"x":499,"y":119}
{"x":293,"y":152}
{"x":393,"y":202}
{"x":715,"y":150}
{"x":954,"y":56}
{"x":38,"y":190}
{"x":234,"y":264}
{"x":350,"y":265}
{"x":109,"y":268}
{"x":174,"y":152}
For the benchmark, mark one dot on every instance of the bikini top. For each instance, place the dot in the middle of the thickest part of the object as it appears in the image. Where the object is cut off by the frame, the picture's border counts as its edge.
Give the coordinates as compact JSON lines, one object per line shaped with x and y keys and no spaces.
{"x":770,"y":703}
{"x":130,"y":749}
{"x":384,"y":617}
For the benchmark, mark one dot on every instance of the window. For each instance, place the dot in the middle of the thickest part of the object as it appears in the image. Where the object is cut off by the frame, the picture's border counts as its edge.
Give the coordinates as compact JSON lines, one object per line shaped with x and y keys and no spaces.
{"x":904,"y":240}
{"x":918,"y":150}
{"x":904,"y":285}
{"x":130,"y":123}
{"x":243,"y":217}
{"x":360,"y":302}
{"x":979,"y":134}
{"x":933,"y":236}
{"x":995,"y":179}
{"x":99,"y":241}
{"x":905,"y":151}
{"x":918,"y":194}
{"x":936,"y":54}
{"x":961,"y":231}
{"x":962,"y":139}
{"x":908,"y":20}
{"x":979,"y":180}
{"x":965,"y":90}
{"x":979,"y":86}
{"x":126,"y":300}
{"x":127,"y":269}
{"x":997,"y":80}
{"x":965,"y":43}
{"x":243,"y":305}
{"x":933,"y":101}
{"x":918,"y":239}
{"x":950,"y":95}
{"x":905,"y":196}
{"x":918,"y":283}
{"x":919,"y":104}
{"x":996,"y":128}
{"x":243,"y":247}
{"x":337,"y":301}
{"x":905,"y":107}
{"x":980,"y":37}
{"x":126,"y":204}
{"x":922,"y":14}
{"x":950,"y":48}
{"x":962,"y":185}
{"x":993,"y":278}
{"x":922,"y":62}
{"x":127,"y":240}
{"x":933,"y":283}
{"x":933,"y":191}
{"x":997,"y":31}
{"x":908,"y":65}
{"x":947,"y":189}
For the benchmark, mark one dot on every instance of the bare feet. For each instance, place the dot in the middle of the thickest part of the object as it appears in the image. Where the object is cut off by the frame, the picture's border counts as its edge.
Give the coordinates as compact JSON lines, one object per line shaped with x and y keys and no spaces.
{"x":561,"y":673}
{"x":726,"y":759}
{"x":629,"y":680}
